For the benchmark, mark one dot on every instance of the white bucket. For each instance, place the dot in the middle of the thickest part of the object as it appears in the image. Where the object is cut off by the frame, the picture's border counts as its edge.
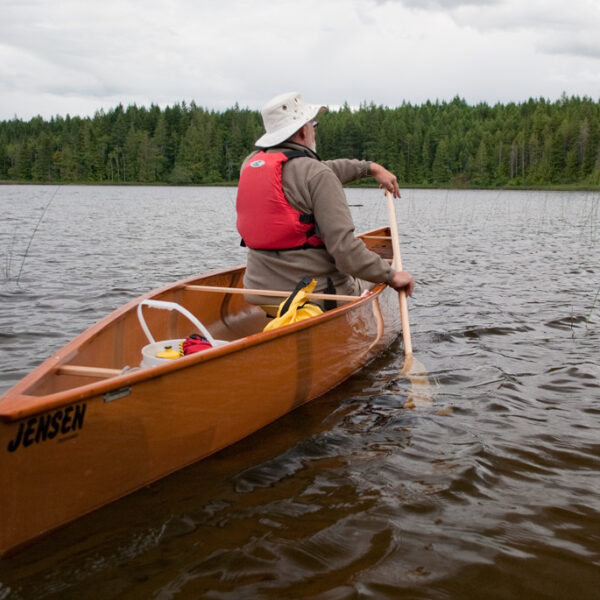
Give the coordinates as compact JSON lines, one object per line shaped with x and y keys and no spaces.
{"x":149,"y":352}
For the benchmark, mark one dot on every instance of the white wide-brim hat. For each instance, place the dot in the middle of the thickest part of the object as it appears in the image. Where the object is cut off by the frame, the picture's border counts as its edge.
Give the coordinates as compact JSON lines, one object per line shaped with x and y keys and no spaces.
{"x":283,"y":116}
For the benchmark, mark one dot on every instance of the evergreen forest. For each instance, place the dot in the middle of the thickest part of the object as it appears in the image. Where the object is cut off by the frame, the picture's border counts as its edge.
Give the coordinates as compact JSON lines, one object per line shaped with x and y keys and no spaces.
{"x":442,"y":144}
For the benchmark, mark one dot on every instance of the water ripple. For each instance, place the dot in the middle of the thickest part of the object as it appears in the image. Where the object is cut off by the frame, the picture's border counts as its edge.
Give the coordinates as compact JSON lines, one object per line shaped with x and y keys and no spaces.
{"x":492,"y":491}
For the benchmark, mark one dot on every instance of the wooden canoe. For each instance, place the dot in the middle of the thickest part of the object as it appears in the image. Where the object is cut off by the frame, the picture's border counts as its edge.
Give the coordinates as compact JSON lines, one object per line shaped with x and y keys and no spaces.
{"x":86,"y":428}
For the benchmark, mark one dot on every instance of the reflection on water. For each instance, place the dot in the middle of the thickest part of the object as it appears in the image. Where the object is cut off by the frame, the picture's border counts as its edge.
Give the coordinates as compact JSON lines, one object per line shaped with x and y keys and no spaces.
{"x":493,"y":492}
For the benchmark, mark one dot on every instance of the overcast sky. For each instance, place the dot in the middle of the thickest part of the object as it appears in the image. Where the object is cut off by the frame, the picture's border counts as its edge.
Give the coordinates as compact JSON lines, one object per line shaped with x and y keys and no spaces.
{"x":78,"y":56}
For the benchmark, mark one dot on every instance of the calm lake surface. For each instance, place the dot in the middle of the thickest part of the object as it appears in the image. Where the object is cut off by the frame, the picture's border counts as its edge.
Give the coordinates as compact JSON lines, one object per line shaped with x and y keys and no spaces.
{"x":492,"y":492}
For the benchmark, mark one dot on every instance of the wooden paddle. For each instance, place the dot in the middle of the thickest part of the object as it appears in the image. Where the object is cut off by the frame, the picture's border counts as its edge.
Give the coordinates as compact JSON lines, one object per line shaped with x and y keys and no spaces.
{"x":397,"y":264}
{"x":420,"y":393}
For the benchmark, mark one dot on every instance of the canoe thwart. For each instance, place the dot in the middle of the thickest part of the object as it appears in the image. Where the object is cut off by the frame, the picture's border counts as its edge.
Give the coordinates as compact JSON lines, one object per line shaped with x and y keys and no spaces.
{"x":273,"y":293}
{"x":84,"y":371}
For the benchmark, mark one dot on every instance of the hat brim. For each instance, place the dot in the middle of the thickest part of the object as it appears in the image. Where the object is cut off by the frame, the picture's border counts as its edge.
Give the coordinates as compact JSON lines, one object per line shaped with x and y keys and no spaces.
{"x":279,"y":136}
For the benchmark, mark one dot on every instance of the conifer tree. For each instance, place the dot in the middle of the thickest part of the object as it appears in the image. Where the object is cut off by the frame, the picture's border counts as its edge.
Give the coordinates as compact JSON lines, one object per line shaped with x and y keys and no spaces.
{"x":449,"y":143}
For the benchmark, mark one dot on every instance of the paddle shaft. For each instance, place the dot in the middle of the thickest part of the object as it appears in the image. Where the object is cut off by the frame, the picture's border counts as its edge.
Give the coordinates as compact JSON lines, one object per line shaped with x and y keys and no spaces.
{"x":398,"y":266}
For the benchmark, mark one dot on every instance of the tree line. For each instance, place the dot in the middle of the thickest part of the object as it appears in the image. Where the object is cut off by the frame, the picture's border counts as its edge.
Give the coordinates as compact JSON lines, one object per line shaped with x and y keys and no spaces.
{"x":534,"y":143}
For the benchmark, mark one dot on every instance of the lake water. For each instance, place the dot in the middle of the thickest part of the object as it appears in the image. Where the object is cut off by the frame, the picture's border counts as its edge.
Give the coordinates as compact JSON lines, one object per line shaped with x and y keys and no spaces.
{"x":492,"y":492}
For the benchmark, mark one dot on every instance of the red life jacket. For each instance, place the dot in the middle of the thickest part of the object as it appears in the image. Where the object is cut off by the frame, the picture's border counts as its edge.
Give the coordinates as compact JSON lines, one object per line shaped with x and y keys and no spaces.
{"x":265,"y":218}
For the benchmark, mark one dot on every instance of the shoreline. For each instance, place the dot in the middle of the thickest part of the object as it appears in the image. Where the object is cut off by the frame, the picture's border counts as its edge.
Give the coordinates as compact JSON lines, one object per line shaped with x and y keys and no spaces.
{"x":565,"y":187}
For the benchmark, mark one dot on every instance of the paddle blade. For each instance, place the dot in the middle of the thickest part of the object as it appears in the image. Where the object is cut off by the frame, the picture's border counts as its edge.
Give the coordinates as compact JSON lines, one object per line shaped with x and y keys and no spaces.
{"x":420,"y":393}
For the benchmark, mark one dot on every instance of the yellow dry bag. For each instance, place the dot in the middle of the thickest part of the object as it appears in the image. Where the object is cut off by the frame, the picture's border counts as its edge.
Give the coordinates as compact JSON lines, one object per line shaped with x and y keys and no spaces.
{"x":296,"y":307}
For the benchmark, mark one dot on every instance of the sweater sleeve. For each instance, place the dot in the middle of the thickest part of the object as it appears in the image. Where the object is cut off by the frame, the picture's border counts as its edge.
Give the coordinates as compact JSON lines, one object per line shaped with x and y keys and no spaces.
{"x":336,"y":227}
{"x":347,"y":170}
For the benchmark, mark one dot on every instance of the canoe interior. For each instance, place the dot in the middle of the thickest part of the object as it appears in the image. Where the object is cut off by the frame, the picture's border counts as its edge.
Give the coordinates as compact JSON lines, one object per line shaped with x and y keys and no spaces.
{"x":118,"y":344}
{"x":114,"y":344}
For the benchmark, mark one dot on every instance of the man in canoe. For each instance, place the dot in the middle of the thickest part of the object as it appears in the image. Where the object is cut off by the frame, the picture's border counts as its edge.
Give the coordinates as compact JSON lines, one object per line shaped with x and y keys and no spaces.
{"x":292,"y":212}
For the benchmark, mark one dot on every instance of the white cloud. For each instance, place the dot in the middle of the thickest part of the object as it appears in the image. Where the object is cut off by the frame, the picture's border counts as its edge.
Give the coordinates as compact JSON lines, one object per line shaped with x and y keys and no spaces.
{"x":572,"y":47}
{"x":78,"y":56}
{"x":442,"y":4}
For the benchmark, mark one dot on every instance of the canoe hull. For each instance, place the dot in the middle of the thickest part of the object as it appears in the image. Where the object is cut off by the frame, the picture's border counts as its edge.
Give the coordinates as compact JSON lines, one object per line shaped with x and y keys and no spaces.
{"x":80,"y":448}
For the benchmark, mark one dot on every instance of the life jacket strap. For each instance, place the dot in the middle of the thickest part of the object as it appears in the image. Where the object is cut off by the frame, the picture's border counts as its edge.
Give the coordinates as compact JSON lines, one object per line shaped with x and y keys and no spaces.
{"x":330,"y":289}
